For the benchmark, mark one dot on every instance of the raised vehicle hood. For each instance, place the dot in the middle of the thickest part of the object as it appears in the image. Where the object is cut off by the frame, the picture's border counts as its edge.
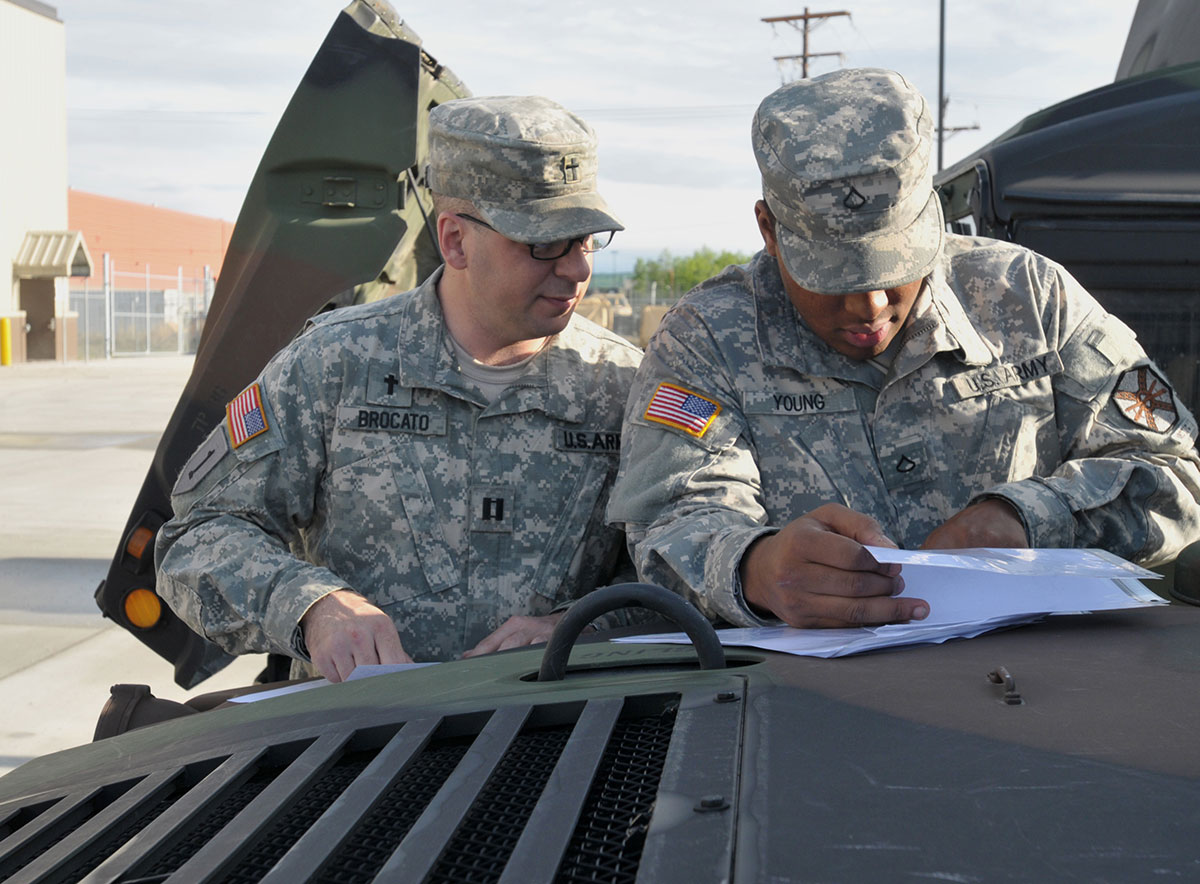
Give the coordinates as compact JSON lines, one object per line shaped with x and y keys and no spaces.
{"x":338,"y":195}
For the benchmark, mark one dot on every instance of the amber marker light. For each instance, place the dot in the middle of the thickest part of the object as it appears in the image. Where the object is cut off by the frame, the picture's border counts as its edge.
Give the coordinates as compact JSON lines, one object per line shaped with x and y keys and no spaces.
{"x":142,"y":608}
{"x":139,"y":539}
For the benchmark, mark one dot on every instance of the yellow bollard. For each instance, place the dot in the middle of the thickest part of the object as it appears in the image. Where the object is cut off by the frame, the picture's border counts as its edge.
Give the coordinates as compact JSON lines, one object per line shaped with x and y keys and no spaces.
{"x":5,"y":341}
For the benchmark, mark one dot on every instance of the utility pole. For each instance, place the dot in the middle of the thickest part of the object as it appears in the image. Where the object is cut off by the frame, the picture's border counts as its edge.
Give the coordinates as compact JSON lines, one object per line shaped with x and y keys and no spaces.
{"x":945,"y":131}
{"x":808,"y":21}
{"x":943,"y":99}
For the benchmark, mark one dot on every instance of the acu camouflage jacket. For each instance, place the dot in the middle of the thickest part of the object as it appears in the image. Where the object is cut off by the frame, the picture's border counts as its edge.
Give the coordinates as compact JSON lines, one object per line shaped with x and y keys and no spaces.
{"x":368,"y":462}
{"x":1010,"y":381}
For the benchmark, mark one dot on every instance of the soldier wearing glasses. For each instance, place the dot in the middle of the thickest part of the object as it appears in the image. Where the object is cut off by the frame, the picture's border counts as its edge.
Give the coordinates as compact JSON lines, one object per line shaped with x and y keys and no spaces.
{"x":426,"y":475}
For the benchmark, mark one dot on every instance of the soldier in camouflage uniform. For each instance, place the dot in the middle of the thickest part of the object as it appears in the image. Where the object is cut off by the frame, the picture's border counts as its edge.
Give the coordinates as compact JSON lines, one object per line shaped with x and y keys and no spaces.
{"x":427,"y":474}
{"x":869,"y":379}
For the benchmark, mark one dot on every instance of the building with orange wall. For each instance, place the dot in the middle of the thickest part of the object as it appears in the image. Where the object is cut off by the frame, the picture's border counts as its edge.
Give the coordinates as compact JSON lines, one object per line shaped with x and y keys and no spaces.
{"x":141,"y":239}
{"x":153,"y":272}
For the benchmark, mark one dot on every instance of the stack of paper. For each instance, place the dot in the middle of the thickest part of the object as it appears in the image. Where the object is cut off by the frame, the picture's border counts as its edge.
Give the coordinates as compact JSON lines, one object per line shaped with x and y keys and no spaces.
{"x":970,"y":591}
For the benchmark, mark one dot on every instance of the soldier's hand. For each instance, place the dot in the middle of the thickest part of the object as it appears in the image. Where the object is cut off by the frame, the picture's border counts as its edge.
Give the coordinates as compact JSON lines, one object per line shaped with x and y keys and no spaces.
{"x":516,"y":632}
{"x":816,"y":573}
{"x":343,"y":630}
{"x":991,"y":522}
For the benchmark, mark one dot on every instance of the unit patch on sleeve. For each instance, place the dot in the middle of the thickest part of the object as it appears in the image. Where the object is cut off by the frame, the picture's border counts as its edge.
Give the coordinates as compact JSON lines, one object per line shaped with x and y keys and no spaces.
{"x":682,"y":409}
{"x":201,"y":463}
{"x":246,"y":415}
{"x":1144,"y":398}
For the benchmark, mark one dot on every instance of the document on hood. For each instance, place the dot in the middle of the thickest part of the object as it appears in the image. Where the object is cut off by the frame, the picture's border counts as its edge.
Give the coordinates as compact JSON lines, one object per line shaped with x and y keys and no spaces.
{"x":969,"y":591}
{"x":363,"y":671}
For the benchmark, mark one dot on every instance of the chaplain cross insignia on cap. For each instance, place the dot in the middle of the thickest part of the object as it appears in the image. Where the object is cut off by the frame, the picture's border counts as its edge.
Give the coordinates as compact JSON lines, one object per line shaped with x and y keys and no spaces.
{"x":854,"y":199}
{"x":570,"y":169}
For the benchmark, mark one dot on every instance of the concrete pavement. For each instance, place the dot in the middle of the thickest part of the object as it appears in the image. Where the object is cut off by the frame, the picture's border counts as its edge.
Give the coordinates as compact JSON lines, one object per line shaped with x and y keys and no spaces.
{"x":76,"y":441}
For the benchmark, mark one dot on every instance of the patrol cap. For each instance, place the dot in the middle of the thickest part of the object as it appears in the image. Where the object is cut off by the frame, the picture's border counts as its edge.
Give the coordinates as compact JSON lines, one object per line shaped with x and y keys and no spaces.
{"x":526,"y":163}
{"x":845,"y":162}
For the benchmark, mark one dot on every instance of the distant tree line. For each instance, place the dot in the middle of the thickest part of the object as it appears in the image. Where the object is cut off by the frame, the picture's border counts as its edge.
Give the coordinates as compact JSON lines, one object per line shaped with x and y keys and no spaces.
{"x":675,"y":275}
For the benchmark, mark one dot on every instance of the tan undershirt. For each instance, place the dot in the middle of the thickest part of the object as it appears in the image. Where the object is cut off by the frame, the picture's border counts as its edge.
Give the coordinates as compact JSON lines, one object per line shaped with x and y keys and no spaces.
{"x":490,"y":380}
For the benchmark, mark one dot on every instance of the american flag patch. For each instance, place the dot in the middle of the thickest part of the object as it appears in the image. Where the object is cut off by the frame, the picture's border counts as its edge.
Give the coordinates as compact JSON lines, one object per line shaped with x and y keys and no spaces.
{"x":247,"y":418}
{"x":682,"y":409}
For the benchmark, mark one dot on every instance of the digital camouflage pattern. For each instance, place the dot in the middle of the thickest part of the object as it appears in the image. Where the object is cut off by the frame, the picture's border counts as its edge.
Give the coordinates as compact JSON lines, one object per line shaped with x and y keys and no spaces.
{"x":526,"y":163}
{"x":1005,"y":385}
{"x":385,"y":472}
{"x":845,"y":162}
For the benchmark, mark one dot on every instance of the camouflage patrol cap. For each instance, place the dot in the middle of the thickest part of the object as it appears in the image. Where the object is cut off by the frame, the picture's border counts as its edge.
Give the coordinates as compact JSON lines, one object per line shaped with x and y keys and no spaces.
{"x":845,"y":169}
{"x":526,"y":163}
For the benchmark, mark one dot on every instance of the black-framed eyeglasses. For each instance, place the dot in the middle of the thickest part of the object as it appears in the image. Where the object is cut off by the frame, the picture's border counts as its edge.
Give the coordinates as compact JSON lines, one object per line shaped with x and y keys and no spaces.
{"x":552,"y":251}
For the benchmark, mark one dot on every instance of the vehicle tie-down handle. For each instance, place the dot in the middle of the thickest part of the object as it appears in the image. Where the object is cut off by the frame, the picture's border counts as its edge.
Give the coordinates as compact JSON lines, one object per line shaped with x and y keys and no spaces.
{"x":624,"y":595}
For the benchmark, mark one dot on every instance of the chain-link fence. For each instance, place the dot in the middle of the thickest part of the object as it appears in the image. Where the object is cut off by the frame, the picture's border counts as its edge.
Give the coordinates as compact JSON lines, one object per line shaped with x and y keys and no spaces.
{"x":134,"y":314}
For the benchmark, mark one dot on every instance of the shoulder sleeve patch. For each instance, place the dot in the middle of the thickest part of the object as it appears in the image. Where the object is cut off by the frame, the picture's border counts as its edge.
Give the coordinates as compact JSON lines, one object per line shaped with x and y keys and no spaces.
{"x":201,"y":463}
{"x":682,"y":409}
{"x":246,"y":416}
{"x":1146,"y":399}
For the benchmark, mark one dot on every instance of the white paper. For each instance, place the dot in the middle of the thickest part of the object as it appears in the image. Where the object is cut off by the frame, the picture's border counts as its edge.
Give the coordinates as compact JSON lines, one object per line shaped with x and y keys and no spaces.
{"x":364,"y":671}
{"x":837,"y":642}
{"x":969,"y":592}
{"x":1032,"y":562}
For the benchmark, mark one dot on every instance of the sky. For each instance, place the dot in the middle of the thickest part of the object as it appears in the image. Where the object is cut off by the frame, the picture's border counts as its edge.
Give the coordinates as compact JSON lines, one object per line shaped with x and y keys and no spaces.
{"x":173,"y":103}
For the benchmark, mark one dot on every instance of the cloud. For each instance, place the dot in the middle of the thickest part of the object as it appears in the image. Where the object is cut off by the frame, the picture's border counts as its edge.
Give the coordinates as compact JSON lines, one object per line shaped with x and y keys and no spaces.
{"x":176,"y":102}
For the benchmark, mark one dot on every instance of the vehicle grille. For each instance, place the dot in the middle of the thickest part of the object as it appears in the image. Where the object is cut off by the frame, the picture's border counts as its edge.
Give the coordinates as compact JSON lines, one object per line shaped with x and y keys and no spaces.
{"x":608,"y":843}
{"x":559,"y":792}
{"x":382,"y":829}
{"x":481,"y":847}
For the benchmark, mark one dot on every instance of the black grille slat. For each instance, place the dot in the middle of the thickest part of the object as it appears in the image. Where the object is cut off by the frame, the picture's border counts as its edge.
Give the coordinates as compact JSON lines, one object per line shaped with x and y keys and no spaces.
{"x":328,"y":833}
{"x":17,"y":816}
{"x":115,"y":838}
{"x":227,"y":847}
{"x":373,"y":840}
{"x":203,"y":829}
{"x":150,"y":790}
{"x":287,"y":828}
{"x":40,"y":834}
{"x":548,"y":830}
{"x":425,"y":842}
{"x":607,"y":843}
{"x":187,"y":810}
{"x":484,"y":841}
{"x":119,"y":836}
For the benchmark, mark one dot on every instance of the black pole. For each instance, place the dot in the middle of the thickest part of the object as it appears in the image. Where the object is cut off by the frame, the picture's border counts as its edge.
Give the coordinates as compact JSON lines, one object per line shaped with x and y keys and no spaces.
{"x":941,"y":79}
